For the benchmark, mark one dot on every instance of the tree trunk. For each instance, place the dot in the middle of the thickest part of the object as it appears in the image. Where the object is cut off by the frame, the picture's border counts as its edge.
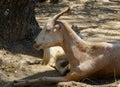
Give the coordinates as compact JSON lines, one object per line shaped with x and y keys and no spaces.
{"x":17,"y":21}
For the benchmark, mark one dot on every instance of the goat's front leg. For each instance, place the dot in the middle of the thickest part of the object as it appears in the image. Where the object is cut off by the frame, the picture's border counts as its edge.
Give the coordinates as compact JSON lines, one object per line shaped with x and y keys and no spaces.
{"x":72,"y":76}
{"x":21,"y":83}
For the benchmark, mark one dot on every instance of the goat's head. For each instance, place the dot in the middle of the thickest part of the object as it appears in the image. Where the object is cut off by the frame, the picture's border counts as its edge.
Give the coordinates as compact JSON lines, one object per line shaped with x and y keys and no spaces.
{"x":51,"y":35}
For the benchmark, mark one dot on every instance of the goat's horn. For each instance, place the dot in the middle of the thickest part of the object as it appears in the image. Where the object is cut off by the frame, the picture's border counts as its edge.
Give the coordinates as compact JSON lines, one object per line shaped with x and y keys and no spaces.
{"x":61,"y":13}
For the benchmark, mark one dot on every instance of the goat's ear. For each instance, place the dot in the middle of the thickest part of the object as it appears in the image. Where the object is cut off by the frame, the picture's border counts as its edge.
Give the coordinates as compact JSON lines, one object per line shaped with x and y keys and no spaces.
{"x":57,"y":27}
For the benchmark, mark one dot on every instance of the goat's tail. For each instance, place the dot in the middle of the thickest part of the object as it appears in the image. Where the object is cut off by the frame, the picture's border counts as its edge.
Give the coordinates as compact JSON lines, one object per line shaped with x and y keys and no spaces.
{"x":61,"y":13}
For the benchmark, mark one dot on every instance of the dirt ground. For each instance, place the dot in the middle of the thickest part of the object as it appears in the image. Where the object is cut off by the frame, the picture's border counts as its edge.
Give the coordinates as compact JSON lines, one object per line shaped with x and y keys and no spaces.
{"x":98,"y":21}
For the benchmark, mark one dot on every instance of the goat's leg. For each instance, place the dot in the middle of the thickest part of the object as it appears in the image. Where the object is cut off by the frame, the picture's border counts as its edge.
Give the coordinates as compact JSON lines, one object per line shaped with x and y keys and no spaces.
{"x":72,"y":76}
{"x":63,"y":70}
{"x":39,"y":80}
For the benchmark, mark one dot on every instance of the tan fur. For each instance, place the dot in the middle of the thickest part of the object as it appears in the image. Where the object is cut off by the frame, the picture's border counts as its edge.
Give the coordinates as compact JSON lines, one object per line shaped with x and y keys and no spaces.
{"x":52,"y":54}
{"x":55,"y":56}
{"x":86,"y":59}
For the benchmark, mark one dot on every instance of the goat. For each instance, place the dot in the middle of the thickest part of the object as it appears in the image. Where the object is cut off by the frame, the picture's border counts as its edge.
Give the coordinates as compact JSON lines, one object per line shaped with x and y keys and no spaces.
{"x":87,"y":59}
{"x":55,"y":56}
{"x":53,"y":52}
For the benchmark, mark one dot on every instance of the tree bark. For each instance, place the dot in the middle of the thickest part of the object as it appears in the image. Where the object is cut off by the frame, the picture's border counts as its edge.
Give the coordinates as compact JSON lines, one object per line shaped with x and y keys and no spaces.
{"x":17,"y":21}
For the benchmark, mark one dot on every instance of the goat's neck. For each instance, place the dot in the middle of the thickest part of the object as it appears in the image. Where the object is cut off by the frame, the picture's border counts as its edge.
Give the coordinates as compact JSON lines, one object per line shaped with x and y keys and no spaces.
{"x":73,"y":45}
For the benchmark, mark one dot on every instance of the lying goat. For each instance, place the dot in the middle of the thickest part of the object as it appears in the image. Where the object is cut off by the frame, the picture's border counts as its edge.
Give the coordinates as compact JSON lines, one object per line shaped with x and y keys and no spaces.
{"x":56,"y":58}
{"x":86,"y":59}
